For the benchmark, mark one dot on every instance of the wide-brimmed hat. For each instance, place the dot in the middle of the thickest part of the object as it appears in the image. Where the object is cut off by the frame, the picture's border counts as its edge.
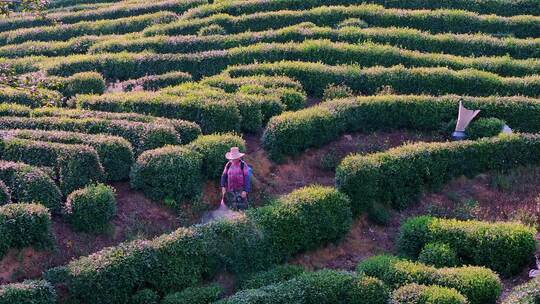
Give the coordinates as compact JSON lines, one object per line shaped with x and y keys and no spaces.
{"x":234,"y":154}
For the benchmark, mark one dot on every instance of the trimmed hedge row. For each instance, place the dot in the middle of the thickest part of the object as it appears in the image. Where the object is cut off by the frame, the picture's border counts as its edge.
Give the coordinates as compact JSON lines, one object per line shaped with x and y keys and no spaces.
{"x":176,"y":173}
{"x":275,"y":275}
{"x":480,"y":285}
{"x":30,"y":184}
{"x":528,"y":293}
{"x":76,"y":45}
{"x":435,"y":21}
{"x":230,"y":85}
{"x":399,"y":176}
{"x":422,"y":294}
{"x":498,"y":7}
{"x":143,"y":136}
{"x":5,"y":195}
{"x":449,"y":43}
{"x":292,"y":133}
{"x":324,"y":51}
{"x":80,"y":83}
{"x":75,"y":165}
{"x":324,"y":287}
{"x":194,"y":295}
{"x":156,"y":82}
{"x":314,"y":77}
{"x":35,"y":98}
{"x":183,"y":258}
{"x":34,"y":292}
{"x":115,"y":153}
{"x":24,"y":225}
{"x":102,"y":27}
{"x":503,"y":247}
{"x":115,"y":11}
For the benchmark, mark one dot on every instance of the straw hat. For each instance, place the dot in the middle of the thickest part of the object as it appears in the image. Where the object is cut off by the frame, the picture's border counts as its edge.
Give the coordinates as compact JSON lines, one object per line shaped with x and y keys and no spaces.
{"x":234,"y":154}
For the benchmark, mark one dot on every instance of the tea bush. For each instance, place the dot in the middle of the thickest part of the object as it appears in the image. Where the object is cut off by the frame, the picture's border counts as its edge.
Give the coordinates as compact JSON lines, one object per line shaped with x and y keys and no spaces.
{"x":91,"y":209}
{"x":421,"y":294}
{"x":194,"y":295}
{"x":39,"y":97}
{"x":35,"y":292}
{"x":156,"y":82}
{"x":30,"y":184}
{"x":145,"y":296}
{"x":503,"y":247}
{"x":5,"y":196}
{"x":438,"y":255}
{"x":398,"y":176}
{"x":485,"y":127}
{"x":79,"y":83}
{"x":480,"y":285}
{"x":275,"y":275}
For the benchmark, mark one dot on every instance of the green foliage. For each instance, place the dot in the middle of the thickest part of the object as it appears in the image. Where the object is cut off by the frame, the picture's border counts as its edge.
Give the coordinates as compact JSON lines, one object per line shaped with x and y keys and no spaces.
{"x":30,"y":184}
{"x":145,"y":296}
{"x":480,"y":285}
{"x":485,"y":127}
{"x":195,"y":295}
{"x":324,"y":287}
{"x":74,"y":165}
{"x":352,"y":22}
{"x":213,"y":148}
{"x":25,"y":225}
{"x":35,"y":98}
{"x":438,"y":255}
{"x":172,"y":173}
{"x":5,"y":196}
{"x":31,"y":292}
{"x":155,"y":82}
{"x":91,"y":209}
{"x":399,"y":176}
{"x":422,"y":294}
{"x":528,"y":293}
{"x":503,"y":247}
{"x":81,"y":83}
{"x":212,"y":29}
{"x":336,"y":91}
{"x":275,"y":275}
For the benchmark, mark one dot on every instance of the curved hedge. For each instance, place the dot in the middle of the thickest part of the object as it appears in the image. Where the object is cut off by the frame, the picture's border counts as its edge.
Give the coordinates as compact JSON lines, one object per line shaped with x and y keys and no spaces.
{"x":449,"y":43}
{"x":115,"y":153}
{"x":36,"y":98}
{"x":75,"y":45}
{"x":80,"y":83}
{"x":480,"y":285}
{"x":212,"y":62}
{"x":101,"y":27}
{"x":528,"y":293}
{"x":435,"y":21}
{"x":231,"y":85}
{"x":399,"y":176}
{"x":314,"y":77}
{"x":143,"y":136}
{"x":24,"y":225}
{"x":183,"y":258}
{"x":5,"y":195}
{"x":275,"y":275}
{"x":498,"y":7}
{"x":35,"y":292}
{"x":75,"y":165}
{"x":30,"y":184}
{"x":156,"y":82}
{"x":194,"y":295}
{"x":292,"y":133}
{"x":324,"y":287}
{"x":422,"y":294}
{"x":503,"y":247}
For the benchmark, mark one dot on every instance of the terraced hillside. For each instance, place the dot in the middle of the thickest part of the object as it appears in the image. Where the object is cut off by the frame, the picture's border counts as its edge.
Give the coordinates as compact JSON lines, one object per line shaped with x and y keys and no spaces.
{"x":115,"y":117}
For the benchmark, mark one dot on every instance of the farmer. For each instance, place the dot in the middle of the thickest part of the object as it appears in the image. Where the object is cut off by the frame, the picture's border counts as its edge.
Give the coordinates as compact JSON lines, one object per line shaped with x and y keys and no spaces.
{"x":235,"y":181}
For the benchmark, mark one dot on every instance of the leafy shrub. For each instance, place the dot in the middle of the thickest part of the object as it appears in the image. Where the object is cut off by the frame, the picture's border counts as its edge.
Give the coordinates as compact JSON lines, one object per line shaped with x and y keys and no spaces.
{"x":212,"y":29}
{"x":503,"y":247}
{"x":79,"y":83}
{"x":421,"y":294}
{"x":290,"y":222}
{"x":75,"y":165}
{"x":438,"y":255}
{"x":30,"y":184}
{"x":528,"y":293}
{"x":35,"y":292}
{"x":314,"y":77}
{"x":91,"y":209}
{"x":231,"y":85}
{"x":398,"y":176}
{"x":35,"y":98}
{"x":212,"y":148}
{"x":115,"y":153}
{"x":379,"y":214}
{"x":26,"y":225}
{"x":480,"y":285}
{"x":171,"y":173}
{"x":145,"y":296}
{"x":352,"y":22}
{"x":336,"y":91}
{"x":292,"y":133}
{"x":155,"y":82}
{"x":485,"y":127}
{"x":5,"y":196}
{"x":275,"y":275}
{"x":194,"y":295}
{"x":325,"y":286}
{"x":143,"y":136}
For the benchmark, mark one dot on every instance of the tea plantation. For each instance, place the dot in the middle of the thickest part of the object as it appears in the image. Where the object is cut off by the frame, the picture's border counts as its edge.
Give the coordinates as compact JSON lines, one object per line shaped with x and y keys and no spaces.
{"x":105,"y":104}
